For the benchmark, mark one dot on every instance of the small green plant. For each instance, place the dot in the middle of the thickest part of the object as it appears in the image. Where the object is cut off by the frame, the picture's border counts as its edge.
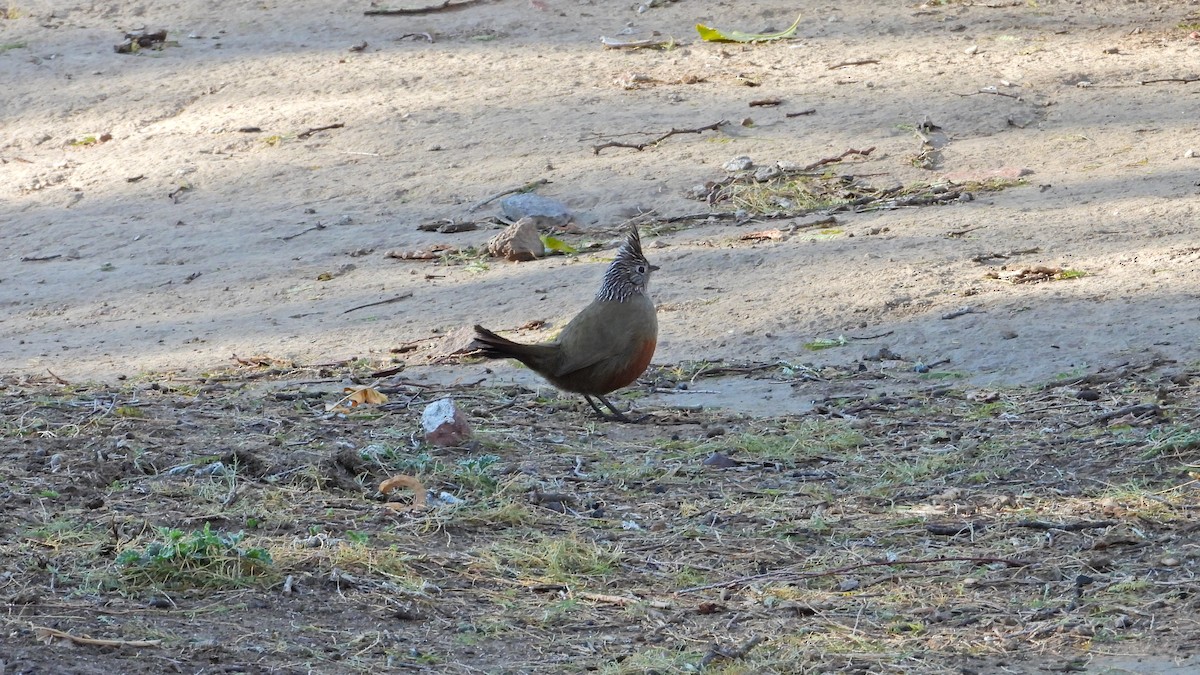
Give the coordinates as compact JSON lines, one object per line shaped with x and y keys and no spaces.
{"x":826,"y":343}
{"x":202,"y":558}
{"x":473,"y":472}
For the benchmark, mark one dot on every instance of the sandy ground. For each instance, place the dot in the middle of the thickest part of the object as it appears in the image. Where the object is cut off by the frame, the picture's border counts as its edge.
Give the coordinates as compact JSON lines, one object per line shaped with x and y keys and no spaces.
{"x":144,"y":275}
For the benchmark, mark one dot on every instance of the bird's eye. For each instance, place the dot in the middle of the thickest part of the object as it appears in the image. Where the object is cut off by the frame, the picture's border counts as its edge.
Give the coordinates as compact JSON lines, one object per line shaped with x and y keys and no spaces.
{"x":641,"y":269}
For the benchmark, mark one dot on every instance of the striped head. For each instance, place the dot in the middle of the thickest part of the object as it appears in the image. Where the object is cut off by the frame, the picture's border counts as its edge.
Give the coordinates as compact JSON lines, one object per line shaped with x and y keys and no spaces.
{"x":629,"y":273}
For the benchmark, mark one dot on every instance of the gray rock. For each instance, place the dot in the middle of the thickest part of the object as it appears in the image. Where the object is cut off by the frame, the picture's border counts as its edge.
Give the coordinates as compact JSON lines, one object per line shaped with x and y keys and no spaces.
{"x":550,"y":212}
{"x":736,"y":164}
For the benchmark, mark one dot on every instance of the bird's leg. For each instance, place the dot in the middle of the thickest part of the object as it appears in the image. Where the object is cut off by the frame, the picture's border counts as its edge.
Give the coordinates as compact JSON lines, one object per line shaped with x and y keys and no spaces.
{"x":617,"y":414}
{"x":600,"y":412}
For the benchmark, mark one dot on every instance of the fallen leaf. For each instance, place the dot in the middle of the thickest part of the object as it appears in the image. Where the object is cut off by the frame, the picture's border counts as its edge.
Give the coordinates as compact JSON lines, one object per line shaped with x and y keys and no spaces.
{"x":394,"y":483}
{"x":356,"y":396}
{"x":556,"y":244}
{"x":716,"y":35}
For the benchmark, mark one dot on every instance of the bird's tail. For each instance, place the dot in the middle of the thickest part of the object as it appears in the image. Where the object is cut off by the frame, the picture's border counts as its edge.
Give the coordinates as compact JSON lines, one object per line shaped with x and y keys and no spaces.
{"x":493,"y":346}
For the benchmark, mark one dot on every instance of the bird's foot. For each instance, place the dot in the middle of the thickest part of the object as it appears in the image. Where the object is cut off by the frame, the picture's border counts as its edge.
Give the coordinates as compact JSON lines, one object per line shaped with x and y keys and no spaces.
{"x":616,"y":414}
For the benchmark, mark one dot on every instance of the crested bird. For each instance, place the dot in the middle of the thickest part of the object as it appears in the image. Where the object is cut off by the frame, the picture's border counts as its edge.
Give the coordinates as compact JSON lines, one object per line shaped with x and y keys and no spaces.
{"x":608,"y":345}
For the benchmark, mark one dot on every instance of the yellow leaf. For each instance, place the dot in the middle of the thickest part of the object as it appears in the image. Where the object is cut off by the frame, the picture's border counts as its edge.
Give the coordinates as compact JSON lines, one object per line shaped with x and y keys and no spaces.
{"x":356,"y":396}
{"x":556,"y":244}
{"x":716,"y":35}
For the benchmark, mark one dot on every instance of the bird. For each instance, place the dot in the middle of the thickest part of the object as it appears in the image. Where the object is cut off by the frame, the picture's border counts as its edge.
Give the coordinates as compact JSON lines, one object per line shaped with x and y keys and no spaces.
{"x":608,"y":344}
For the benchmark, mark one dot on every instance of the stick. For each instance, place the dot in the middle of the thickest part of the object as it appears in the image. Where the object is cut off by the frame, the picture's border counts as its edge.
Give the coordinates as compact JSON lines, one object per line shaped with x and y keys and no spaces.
{"x":448,"y":5}
{"x":1183,"y":80}
{"x":40,"y":258}
{"x":834,"y":160}
{"x":810,"y":111}
{"x":642,"y":146}
{"x":318,"y":226}
{"x":1137,"y":410}
{"x":765,"y":102}
{"x":398,"y":298}
{"x":861,"y":62}
{"x":1066,"y":527}
{"x":850,"y":568}
{"x":47,"y":635}
{"x":523,"y":188}
{"x":993,"y":92}
{"x":310,"y":132}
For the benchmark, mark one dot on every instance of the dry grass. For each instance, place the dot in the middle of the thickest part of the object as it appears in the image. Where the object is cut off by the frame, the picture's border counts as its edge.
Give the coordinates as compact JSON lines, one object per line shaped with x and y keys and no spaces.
{"x":922,"y":533}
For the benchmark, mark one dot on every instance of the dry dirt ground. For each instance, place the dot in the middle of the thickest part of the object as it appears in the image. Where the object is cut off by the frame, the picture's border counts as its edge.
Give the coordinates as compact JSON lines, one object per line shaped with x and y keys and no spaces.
{"x":951,"y":430}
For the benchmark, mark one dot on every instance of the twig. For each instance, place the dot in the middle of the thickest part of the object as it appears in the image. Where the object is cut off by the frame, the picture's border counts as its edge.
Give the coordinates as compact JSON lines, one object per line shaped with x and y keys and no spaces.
{"x":834,"y":160}
{"x":860,"y":62}
{"x":427,"y":36}
{"x":1137,"y":410}
{"x":310,"y":132}
{"x":871,"y":337}
{"x":984,"y":257}
{"x":47,"y":635}
{"x":398,"y":298}
{"x":448,"y":5}
{"x":289,"y":237}
{"x":642,"y":146}
{"x":40,"y":258}
{"x":1181,"y":80}
{"x":810,"y":111}
{"x":716,"y":652}
{"x":56,"y":377}
{"x":765,"y":102}
{"x":1066,"y":527}
{"x":989,"y":90}
{"x":523,"y":188}
{"x":783,"y":574}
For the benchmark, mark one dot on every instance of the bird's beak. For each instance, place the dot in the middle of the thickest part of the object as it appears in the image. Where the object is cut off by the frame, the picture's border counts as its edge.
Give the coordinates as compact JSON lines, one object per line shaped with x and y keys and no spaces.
{"x":654,"y":268}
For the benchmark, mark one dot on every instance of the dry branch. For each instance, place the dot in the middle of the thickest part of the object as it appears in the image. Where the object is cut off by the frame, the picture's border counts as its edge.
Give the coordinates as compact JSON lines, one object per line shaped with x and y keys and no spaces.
{"x":642,"y":146}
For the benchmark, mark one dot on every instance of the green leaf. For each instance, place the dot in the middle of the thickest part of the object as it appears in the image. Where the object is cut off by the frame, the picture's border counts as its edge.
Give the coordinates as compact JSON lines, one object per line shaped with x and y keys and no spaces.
{"x":556,"y":244}
{"x":715,"y":35}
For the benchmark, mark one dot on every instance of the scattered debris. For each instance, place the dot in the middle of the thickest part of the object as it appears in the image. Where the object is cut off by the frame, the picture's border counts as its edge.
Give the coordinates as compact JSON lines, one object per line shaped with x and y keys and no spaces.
{"x":435,"y":252}
{"x":448,"y":226}
{"x":139,"y":40}
{"x":1033,"y":275}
